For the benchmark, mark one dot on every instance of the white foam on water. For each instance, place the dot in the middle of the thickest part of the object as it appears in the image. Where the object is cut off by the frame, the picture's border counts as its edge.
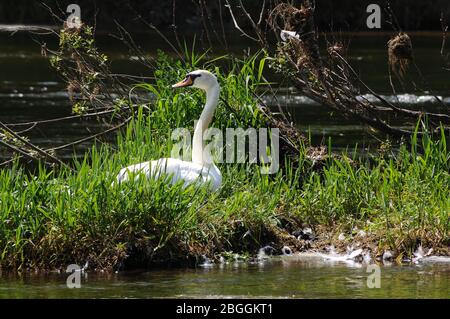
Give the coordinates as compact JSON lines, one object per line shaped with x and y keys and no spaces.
{"x":46,"y":95}
{"x":435,"y":260}
{"x":359,"y":257}
{"x":207,"y":263}
{"x":400,"y":99}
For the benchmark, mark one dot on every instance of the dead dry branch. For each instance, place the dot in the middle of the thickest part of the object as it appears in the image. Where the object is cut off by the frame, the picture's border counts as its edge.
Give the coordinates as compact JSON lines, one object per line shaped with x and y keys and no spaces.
{"x":329,"y":78}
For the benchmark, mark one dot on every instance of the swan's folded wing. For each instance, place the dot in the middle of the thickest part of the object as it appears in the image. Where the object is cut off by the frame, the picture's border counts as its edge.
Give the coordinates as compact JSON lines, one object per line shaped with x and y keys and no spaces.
{"x":141,"y":168}
{"x":175,"y":169}
{"x":193,"y":173}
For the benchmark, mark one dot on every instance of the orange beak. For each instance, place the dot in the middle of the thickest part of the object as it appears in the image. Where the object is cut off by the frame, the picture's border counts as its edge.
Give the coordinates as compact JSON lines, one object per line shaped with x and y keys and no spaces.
{"x":186,"y":82}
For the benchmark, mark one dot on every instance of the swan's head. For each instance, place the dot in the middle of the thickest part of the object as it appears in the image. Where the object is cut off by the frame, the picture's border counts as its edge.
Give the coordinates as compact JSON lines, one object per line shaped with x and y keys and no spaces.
{"x":201,"y":79}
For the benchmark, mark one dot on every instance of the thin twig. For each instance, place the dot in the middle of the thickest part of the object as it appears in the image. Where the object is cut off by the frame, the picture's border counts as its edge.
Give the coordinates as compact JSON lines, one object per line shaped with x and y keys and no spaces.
{"x":236,"y":24}
{"x":32,"y":146}
{"x":91,"y":137}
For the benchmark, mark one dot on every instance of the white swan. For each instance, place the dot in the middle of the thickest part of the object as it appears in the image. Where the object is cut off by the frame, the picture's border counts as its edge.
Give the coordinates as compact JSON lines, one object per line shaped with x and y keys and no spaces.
{"x":201,"y":169}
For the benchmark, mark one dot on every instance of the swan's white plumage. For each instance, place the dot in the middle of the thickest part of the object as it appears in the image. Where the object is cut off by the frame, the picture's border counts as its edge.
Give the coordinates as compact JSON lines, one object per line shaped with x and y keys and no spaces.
{"x":201,"y":170}
{"x":177,"y":169}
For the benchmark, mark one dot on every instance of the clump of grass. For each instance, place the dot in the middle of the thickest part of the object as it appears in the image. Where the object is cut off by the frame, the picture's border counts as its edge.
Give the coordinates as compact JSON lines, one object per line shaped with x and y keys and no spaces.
{"x":50,"y":219}
{"x":403,"y":199}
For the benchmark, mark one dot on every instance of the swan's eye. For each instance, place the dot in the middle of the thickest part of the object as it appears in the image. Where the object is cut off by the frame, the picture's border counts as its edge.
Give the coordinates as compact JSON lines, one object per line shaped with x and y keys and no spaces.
{"x":194,"y":76}
{"x":188,"y":80}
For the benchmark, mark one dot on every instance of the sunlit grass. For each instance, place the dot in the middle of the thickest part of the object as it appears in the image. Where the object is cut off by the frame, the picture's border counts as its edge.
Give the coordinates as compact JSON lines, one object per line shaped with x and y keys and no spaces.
{"x":54,"y":218}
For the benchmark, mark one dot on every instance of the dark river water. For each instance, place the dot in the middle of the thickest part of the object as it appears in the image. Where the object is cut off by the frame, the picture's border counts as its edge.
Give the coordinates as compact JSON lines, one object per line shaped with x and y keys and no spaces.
{"x":30,"y":90}
{"x":284,"y":277}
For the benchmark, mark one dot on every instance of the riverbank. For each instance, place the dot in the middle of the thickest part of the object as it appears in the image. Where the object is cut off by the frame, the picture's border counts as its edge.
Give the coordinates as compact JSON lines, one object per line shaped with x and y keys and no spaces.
{"x":394,"y":200}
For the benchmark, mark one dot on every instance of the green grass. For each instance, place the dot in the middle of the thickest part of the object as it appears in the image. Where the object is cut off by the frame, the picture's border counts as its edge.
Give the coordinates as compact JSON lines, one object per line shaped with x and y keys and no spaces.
{"x":51,"y":219}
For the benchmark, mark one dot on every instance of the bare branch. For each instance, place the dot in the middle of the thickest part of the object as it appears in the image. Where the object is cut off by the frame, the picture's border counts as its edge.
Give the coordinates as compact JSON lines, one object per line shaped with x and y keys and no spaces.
{"x":236,"y":24}
{"x":44,"y":154}
{"x":115,"y":128}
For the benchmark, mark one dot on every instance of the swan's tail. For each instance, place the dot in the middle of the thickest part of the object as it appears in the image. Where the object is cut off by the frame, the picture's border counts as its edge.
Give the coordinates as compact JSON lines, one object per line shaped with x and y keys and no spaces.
{"x":130,"y":171}
{"x":121,"y":177}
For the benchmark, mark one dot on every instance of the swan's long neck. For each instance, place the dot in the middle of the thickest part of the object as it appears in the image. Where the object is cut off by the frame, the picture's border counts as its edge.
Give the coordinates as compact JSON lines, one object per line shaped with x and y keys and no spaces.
{"x":212,"y":98}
